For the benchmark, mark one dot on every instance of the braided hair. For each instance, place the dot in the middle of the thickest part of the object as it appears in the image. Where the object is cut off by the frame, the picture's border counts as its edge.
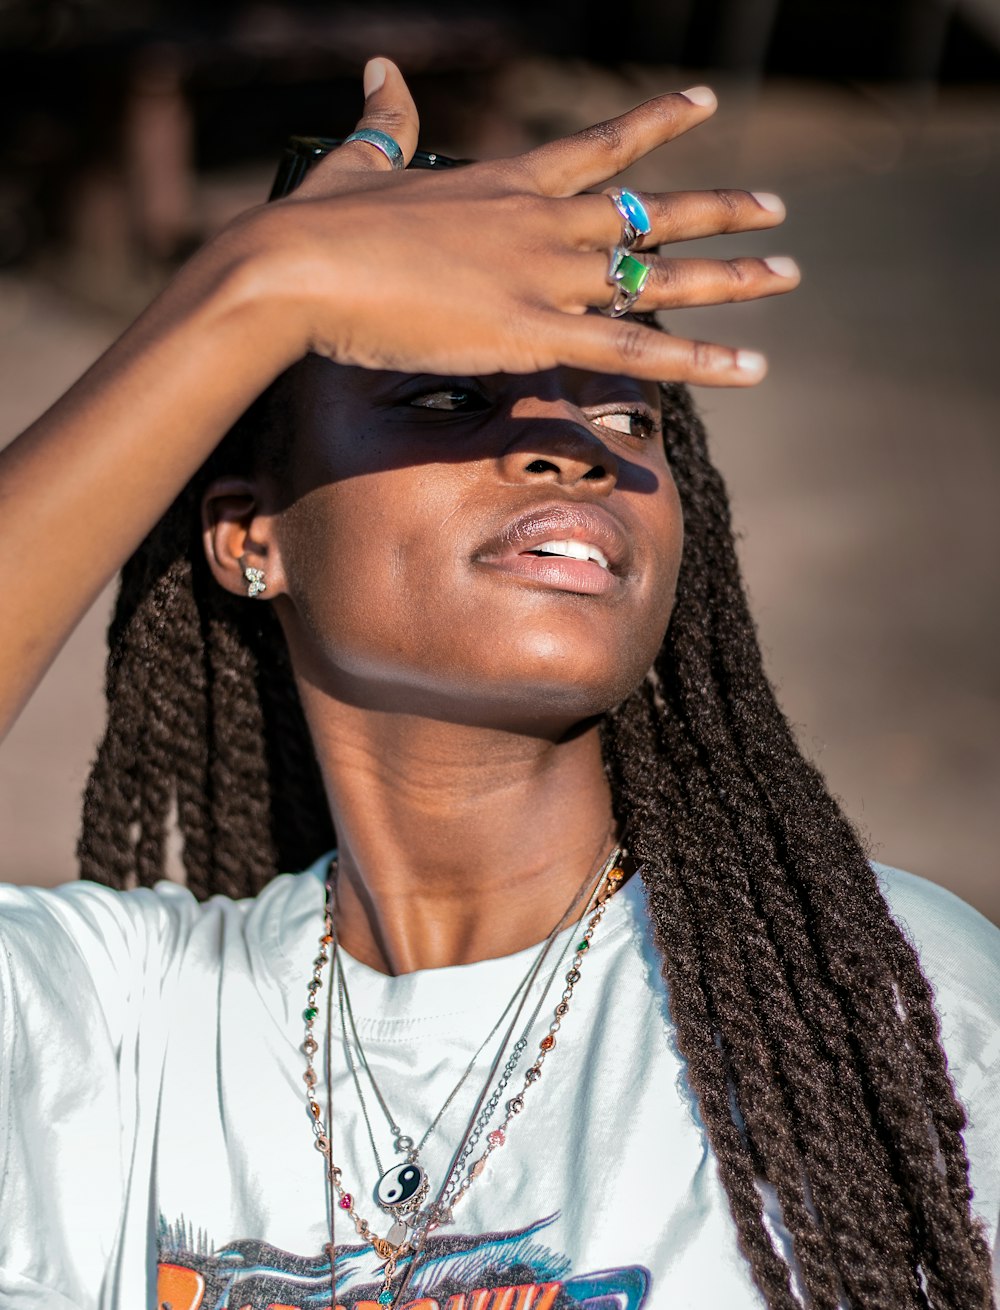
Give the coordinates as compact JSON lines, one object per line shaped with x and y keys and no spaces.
{"x":806,"y":1023}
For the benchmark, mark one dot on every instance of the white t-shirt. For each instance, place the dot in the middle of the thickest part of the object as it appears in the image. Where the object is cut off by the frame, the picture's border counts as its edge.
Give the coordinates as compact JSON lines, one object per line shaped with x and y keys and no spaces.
{"x":155,"y":1148}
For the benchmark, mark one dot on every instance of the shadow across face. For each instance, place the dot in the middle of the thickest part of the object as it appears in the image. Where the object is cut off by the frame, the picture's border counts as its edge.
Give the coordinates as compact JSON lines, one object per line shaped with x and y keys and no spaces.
{"x":494,"y":549}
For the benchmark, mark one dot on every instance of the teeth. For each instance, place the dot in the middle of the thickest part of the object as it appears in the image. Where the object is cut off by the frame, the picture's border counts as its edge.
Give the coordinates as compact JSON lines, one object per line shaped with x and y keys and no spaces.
{"x":574,"y":550}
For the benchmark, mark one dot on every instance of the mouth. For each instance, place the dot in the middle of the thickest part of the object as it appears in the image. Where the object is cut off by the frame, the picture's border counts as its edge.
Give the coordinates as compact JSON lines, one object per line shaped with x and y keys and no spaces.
{"x":567,"y":547}
{"x":581,"y":550}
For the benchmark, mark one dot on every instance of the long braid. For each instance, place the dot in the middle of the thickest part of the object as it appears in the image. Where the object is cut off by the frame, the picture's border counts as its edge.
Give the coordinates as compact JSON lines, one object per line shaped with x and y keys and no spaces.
{"x":812,"y":1057}
{"x":854,"y":962}
{"x":888,"y":1049}
{"x":633,"y":756}
{"x":742,"y":978}
{"x":807,"y":1026}
{"x":205,"y":721}
{"x":747,"y":981}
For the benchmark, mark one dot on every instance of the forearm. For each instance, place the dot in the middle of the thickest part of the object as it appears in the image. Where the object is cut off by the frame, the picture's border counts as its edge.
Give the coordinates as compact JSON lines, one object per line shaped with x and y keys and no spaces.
{"x":460,"y":275}
{"x":83,"y":485}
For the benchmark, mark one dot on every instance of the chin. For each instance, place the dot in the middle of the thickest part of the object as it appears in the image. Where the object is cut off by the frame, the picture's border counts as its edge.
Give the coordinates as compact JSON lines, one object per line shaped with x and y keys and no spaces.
{"x":558,"y":687}
{"x":523,"y":673}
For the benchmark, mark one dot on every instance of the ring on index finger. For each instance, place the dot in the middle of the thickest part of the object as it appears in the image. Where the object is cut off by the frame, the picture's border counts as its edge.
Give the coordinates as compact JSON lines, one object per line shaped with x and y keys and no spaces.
{"x":628,"y":276}
{"x":635,"y":218}
{"x":389,"y":146}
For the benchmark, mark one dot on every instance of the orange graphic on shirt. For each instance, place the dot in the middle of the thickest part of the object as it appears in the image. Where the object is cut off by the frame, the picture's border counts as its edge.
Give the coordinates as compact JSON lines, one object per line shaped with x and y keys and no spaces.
{"x":511,"y":1270}
{"x":178,"y":1288}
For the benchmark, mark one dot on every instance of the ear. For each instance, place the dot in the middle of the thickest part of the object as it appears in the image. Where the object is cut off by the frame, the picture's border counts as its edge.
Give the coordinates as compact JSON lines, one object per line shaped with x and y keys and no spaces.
{"x":239,"y":534}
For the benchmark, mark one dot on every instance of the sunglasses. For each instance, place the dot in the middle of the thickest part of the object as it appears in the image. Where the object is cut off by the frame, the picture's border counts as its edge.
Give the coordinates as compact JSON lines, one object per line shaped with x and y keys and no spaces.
{"x":302,"y":152}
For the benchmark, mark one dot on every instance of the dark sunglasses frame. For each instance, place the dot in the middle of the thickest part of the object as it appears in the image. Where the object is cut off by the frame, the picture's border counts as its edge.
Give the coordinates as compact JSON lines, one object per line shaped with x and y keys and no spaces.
{"x":302,"y":152}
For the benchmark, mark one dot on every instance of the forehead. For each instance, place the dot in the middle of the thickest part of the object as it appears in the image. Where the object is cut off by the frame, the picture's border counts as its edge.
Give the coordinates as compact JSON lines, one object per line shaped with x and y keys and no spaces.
{"x":318,"y":380}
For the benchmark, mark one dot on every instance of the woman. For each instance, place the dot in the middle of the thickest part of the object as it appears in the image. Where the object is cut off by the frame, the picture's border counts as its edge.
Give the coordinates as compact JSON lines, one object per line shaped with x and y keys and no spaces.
{"x":419,"y":598}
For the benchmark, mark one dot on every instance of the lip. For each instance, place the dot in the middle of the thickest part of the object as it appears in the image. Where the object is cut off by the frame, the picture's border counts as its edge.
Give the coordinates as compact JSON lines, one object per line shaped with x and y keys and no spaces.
{"x":588,"y":524}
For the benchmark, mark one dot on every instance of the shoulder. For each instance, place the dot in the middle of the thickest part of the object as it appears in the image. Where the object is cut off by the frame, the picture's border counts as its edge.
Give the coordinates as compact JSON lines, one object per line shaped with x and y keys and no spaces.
{"x":959,"y":952}
{"x":125,"y":942}
{"x":85,"y":944}
{"x":959,"y":948}
{"x":94,"y":920}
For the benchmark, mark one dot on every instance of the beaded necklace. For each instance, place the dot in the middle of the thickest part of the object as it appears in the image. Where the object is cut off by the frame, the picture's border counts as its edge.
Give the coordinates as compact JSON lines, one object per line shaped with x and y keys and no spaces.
{"x":460,"y":1175}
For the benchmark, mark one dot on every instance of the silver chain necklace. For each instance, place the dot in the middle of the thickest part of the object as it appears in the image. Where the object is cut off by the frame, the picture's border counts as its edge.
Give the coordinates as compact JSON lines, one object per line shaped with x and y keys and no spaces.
{"x":487,"y":1110}
{"x":400,"y":1189}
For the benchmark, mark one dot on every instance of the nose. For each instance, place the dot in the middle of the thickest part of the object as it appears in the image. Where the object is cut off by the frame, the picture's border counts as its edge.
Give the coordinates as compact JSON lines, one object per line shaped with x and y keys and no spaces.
{"x":555,"y":443}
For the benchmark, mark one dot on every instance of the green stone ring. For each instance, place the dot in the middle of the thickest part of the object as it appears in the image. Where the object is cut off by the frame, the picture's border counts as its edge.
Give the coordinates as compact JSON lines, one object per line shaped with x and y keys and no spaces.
{"x":628,"y":275}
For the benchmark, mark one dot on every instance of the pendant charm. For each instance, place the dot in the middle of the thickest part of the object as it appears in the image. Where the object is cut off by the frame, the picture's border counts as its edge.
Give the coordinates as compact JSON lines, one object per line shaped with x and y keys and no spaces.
{"x":402,"y":1188}
{"x":396,"y":1235}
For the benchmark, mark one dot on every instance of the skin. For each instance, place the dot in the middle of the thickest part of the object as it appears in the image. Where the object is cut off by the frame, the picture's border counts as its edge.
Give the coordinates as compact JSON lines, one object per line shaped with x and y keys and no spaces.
{"x":442,"y":751}
{"x":434,"y":744}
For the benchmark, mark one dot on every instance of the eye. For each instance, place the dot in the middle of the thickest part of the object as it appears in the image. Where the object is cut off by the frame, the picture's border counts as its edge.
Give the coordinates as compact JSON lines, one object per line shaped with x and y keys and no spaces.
{"x":630,"y":422}
{"x":450,"y":399}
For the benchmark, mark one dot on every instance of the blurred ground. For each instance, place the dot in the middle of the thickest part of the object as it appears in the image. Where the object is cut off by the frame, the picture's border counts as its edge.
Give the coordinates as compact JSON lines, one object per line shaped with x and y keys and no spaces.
{"x":865,"y":471}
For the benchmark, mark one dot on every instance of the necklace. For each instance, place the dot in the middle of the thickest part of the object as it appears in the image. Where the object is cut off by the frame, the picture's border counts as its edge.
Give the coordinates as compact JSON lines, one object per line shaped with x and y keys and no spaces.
{"x":453,"y":1191}
{"x":402,"y":1188}
{"x":455,"y":1186}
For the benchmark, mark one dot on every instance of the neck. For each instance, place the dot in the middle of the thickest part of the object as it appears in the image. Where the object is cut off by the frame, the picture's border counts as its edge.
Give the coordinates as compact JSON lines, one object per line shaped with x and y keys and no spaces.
{"x":456,"y":843}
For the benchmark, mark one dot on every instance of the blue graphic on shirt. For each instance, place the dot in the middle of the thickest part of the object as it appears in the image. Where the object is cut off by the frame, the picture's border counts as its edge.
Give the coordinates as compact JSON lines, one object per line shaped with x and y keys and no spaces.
{"x":494,"y":1271}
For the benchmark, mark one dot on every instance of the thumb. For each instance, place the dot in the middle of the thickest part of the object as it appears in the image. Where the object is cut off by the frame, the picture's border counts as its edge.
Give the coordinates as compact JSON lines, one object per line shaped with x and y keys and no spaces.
{"x":388,"y":108}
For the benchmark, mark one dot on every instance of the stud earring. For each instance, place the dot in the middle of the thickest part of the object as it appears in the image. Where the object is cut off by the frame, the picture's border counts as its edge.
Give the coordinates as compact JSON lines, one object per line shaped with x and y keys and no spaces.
{"x":255,"y":582}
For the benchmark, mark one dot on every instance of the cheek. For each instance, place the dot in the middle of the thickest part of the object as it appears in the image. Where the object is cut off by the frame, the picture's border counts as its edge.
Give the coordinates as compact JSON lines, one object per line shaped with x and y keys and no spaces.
{"x":670,"y":548}
{"x":666,"y":534}
{"x":376,"y":579}
{"x":344,"y":551}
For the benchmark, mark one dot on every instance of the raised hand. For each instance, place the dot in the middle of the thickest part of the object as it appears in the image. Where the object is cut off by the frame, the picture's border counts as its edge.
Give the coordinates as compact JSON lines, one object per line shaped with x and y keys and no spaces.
{"x":484,"y":269}
{"x":491,"y":267}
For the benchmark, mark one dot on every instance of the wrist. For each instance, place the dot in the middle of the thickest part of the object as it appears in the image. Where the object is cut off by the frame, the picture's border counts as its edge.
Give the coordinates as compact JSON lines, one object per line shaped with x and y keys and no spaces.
{"x":294,"y":276}
{"x":246,"y":282}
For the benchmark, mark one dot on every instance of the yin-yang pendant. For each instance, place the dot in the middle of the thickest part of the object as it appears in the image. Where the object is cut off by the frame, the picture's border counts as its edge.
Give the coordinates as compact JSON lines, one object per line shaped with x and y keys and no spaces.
{"x":402,"y":1188}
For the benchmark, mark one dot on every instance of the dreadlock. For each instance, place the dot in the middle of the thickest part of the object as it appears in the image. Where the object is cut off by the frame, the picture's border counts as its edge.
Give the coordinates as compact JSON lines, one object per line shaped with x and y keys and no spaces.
{"x":204,"y":720}
{"x":805,"y":1020}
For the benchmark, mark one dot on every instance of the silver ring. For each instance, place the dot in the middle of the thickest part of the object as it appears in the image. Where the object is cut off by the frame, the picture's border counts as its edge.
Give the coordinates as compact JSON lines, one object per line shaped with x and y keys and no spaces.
{"x":371,"y":136}
{"x":635,"y":219}
{"x":628,"y":275}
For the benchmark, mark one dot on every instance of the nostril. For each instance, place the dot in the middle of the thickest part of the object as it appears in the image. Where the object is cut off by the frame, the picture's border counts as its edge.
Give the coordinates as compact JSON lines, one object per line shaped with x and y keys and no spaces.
{"x":541,"y":466}
{"x":596,"y":473}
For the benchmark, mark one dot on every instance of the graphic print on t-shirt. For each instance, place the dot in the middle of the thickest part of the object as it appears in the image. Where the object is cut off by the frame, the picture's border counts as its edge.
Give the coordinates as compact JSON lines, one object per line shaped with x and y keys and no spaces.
{"x":492,"y":1271}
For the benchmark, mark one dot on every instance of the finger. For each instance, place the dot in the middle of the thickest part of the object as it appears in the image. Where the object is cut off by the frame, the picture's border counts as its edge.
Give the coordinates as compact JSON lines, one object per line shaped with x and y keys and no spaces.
{"x":389,"y":108}
{"x":594,"y":222}
{"x":685,"y":283}
{"x":623,"y":346}
{"x":590,"y":157}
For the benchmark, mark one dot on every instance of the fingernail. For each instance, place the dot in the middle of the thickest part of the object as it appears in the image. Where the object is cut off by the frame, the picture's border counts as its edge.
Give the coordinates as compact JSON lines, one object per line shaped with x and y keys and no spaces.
{"x":769,"y":201}
{"x":700,"y":95}
{"x":750,"y":361}
{"x":374,"y":76}
{"x":782,"y":265}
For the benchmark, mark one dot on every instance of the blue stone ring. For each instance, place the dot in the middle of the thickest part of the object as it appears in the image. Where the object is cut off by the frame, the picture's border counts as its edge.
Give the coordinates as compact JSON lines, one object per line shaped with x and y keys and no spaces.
{"x":371,"y":136}
{"x":635,"y":219}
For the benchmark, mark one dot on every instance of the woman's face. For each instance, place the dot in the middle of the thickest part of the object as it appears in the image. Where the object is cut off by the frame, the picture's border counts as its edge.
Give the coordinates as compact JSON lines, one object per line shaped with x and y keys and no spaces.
{"x":499,"y":550}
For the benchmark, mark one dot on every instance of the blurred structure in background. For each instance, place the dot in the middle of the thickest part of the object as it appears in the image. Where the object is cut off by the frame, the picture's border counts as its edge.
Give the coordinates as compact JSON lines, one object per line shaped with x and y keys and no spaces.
{"x":865,"y":472}
{"x":112,"y":107}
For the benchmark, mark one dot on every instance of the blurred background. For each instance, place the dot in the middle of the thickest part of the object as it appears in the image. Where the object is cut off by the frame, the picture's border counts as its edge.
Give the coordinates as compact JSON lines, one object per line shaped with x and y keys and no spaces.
{"x":865,"y":471}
